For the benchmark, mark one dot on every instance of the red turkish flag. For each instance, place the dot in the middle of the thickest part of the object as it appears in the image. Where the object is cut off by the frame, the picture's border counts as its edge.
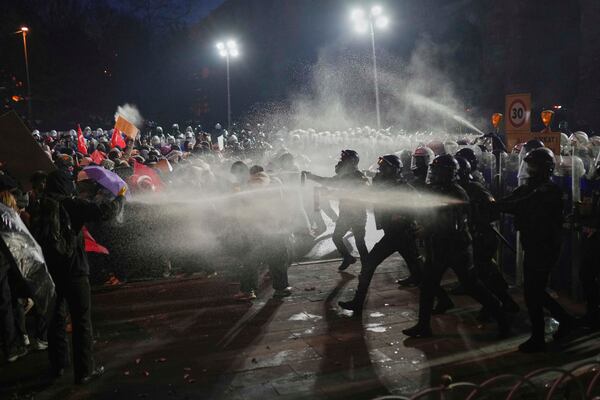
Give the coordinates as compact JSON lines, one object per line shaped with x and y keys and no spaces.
{"x":117,"y":140}
{"x":97,"y":157}
{"x":81,"y":147}
{"x":141,"y":171}
{"x":91,"y":246}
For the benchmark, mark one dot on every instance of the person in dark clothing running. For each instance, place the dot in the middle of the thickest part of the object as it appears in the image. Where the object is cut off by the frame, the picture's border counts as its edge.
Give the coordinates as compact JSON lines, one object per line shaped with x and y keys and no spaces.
{"x":56,"y":223}
{"x":537,"y":207}
{"x":353,"y":214}
{"x":485,"y":240}
{"x":398,"y":227}
{"x":451,"y":247}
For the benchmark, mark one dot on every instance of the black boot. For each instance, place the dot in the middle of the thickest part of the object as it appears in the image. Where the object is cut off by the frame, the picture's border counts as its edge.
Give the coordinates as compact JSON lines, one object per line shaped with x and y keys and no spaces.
{"x":353,"y":305}
{"x":418,"y":331}
{"x":97,"y":372}
{"x":348,"y":261}
{"x":411,"y":281}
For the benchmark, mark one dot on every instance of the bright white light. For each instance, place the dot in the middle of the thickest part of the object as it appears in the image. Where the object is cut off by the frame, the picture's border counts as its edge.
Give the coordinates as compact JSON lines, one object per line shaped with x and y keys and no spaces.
{"x":382,"y":22}
{"x":357,"y":14}
{"x":376,"y":11}
{"x":220,"y":46}
{"x":231,"y":44}
{"x":223,"y":53}
{"x":234,"y":53}
{"x":361,"y":27}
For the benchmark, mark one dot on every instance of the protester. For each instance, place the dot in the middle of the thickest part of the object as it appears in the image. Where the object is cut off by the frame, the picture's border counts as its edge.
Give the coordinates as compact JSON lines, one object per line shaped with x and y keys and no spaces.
{"x":56,"y":222}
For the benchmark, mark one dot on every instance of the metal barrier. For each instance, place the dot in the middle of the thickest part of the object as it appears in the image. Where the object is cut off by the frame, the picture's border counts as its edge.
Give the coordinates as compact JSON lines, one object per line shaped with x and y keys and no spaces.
{"x":580,"y":382}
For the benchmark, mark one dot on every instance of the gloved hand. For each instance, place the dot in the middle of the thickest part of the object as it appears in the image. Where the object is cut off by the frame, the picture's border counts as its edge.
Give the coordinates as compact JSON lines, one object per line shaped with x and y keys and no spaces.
{"x":123,"y":191}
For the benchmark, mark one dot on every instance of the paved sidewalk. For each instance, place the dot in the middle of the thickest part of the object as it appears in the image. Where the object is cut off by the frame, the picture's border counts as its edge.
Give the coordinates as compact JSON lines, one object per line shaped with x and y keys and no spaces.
{"x":187,"y":339}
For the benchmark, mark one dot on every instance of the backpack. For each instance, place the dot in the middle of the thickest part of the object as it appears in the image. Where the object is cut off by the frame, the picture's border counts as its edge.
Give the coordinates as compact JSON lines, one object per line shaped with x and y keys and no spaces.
{"x":51,"y":228}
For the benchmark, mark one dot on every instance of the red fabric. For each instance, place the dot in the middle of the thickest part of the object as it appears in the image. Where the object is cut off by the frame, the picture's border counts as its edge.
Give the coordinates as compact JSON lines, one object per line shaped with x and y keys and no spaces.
{"x":140,"y":170}
{"x":98,"y":156}
{"x":81,"y":147}
{"x":117,"y":140}
{"x":91,"y":246}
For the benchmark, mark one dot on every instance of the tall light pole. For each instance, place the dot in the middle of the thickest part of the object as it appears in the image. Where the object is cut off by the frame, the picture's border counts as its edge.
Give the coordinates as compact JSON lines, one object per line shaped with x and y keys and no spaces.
{"x":24,"y":30}
{"x":368,"y":22}
{"x":227,"y":50}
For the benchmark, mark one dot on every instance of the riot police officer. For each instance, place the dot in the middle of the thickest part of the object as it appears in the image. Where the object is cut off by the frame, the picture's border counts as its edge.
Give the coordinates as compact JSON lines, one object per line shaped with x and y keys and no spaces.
{"x":398,"y":227}
{"x":485,"y":240}
{"x":451,"y":247}
{"x":353,"y":214}
{"x":468,"y":154}
{"x":419,"y":164}
{"x":537,"y":207}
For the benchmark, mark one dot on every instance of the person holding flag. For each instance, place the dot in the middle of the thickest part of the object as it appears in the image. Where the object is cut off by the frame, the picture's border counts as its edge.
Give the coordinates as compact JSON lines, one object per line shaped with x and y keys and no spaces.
{"x":81,"y":146}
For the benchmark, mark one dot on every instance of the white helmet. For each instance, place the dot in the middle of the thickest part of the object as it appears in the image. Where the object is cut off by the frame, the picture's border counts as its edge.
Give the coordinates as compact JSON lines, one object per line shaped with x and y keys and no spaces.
{"x":581,"y":138}
{"x":232,"y":139}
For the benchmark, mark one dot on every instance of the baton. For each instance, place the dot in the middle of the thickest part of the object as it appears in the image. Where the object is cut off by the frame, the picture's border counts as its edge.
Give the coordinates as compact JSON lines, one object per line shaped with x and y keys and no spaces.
{"x":503,"y":239}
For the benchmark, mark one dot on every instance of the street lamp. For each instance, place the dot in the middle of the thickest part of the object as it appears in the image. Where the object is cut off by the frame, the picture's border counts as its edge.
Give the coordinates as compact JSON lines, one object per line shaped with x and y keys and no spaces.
{"x":363,"y":23}
{"x":227,"y":50}
{"x":24,"y":30}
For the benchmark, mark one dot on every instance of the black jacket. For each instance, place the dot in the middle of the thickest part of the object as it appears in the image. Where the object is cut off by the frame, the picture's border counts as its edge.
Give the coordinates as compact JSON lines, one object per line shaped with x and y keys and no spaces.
{"x":449,"y":224}
{"x":483,"y":210}
{"x":538,"y":211}
{"x":390,"y":217}
{"x":80,"y":212}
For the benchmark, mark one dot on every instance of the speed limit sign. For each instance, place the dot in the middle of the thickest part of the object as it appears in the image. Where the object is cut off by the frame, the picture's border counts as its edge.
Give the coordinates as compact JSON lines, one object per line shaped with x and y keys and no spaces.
{"x":518,"y":112}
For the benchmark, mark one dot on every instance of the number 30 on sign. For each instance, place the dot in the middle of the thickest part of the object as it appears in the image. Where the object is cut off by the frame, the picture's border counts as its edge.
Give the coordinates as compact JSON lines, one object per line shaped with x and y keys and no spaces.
{"x":518,"y":110}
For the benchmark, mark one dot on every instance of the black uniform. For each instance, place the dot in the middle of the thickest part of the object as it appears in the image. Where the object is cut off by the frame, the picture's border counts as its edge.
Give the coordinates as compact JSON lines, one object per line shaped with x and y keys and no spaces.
{"x":399,"y":235}
{"x":443,"y":301}
{"x":485,"y":241}
{"x":353,"y":214}
{"x":451,"y":247}
{"x":537,"y":207}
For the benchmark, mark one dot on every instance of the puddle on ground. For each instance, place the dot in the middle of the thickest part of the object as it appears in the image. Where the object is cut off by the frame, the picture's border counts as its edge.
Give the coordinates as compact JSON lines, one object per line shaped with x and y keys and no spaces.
{"x":377,"y":328}
{"x":342,"y":313}
{"x":376,"y":315}
{"x":304,"y":316}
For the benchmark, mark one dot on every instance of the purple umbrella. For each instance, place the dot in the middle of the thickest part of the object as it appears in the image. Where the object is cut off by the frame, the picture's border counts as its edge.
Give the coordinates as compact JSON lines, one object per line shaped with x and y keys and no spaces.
{"x":105,"y":178}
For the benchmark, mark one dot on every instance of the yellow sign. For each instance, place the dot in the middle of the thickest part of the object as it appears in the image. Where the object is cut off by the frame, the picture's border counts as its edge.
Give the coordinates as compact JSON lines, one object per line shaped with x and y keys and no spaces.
{"x":126,"y":127}
{"x":550,"y":139}
{"x":518,"y":113}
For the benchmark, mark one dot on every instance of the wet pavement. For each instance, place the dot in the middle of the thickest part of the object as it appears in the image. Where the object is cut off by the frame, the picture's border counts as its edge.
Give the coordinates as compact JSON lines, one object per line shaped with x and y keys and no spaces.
{"x":185,"y":338}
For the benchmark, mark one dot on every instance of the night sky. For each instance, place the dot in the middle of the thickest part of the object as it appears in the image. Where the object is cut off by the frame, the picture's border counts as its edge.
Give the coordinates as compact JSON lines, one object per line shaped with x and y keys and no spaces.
{"x":201,"y":8}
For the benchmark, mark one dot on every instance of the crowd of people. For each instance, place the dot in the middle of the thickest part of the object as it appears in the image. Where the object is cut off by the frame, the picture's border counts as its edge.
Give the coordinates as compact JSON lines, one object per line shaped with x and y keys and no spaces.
{"x":277,"y":190}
